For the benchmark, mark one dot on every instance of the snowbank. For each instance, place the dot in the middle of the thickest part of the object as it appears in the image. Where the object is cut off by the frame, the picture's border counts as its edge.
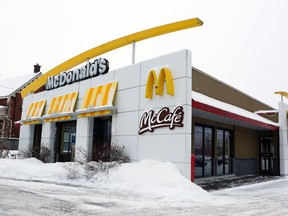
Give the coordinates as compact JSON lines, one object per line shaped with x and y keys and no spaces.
{"x":146,"y":178}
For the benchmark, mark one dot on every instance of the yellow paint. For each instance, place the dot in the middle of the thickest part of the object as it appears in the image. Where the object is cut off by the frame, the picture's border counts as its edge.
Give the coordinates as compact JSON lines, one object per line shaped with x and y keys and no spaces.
{"x":109,"y":46}
{"x":62,"y":118}
{"x":98,"y":96}
{"x":102,"y":95}
{"x":152,"y":79}
{"x":35,"y":110}
{"x":97,"y":113}
{"x":164,"y":75}
{"x":285,"y":94}
{"x":31,"y":122}
{"x":62,"y":104}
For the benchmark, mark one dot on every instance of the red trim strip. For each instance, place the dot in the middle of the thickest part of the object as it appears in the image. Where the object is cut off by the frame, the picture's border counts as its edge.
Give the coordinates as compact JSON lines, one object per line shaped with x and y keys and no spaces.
{"x":214,"y":110}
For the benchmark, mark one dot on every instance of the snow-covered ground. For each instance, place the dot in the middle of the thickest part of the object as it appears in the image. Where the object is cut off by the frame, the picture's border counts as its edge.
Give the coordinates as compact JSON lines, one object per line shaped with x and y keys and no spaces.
{"x":147,"y":177}
{"x":144,"y":188}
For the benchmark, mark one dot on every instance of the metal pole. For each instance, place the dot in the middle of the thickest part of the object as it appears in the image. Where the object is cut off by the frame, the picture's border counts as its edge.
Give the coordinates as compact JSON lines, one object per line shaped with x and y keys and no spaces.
{"x":133,"y":52}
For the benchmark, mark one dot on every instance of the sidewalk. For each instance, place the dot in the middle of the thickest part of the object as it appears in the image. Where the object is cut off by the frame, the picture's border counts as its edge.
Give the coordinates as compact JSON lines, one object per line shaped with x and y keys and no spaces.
{"x":229,"y":181}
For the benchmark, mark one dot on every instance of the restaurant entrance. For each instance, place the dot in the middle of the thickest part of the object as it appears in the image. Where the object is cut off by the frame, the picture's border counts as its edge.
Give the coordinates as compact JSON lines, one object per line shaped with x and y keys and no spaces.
{"x":266,"y":155}
{"x":65,"y":141}
{"x":213,"y":151}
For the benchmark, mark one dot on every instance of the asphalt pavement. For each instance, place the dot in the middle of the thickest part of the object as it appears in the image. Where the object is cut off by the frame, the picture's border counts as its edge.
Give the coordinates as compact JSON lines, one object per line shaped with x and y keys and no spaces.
{"x":229,"y":181}
{"x":26,"y":198}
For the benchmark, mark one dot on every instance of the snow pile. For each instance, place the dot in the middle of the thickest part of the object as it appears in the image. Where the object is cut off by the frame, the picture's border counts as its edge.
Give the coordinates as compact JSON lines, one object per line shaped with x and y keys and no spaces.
{"x":153,"y":178}
{"x":146,"y":178}
{"x":32,"y":169}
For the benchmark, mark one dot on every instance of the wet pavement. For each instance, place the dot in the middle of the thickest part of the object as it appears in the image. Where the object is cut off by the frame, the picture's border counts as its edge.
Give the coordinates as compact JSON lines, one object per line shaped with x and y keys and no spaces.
{"x":229,"y":181}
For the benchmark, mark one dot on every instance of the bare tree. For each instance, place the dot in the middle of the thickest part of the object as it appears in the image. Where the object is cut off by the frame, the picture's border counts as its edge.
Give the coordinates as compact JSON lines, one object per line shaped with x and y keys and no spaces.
{"x":4,"y":151}
{"x":5,"y":126}
{"x":106,"y":158}
{"x":42,"y":154}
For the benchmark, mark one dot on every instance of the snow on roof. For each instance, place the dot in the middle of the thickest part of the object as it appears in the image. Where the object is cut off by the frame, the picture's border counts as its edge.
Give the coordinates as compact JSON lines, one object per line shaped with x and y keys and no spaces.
{"x":196,"y":96}
{"x":267,"y":112}
{"x":9,"y":85}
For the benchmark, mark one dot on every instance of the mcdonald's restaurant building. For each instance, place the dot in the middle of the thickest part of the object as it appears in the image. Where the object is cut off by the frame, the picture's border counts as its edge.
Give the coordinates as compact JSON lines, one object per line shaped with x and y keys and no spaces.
{"x":160,"y":109}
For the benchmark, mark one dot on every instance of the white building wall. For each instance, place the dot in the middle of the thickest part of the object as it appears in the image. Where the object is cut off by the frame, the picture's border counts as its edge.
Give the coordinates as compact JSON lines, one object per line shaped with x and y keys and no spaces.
{"x":283,"y":142}
{"x":26,"y":139}
{"x":48,"y":138}
{"x":84,"y":138}
{"x":163,"y":144}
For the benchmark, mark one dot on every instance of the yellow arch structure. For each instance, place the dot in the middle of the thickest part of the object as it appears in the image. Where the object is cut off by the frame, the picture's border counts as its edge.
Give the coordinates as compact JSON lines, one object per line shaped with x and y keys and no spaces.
{"x":109,"y":46}
{"x":165,"y":74}
{"x":282,"y":93}
{"x":151,"y":81}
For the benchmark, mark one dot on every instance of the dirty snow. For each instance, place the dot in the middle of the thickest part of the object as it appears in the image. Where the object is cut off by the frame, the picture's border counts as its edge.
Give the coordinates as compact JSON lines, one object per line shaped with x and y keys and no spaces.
{"x":147,"y":177}
{"x":142,"y":188}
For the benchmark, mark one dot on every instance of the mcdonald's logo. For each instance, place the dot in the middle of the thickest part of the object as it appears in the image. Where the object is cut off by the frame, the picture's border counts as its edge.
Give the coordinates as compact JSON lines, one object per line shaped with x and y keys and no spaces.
{"x":152,"y":81}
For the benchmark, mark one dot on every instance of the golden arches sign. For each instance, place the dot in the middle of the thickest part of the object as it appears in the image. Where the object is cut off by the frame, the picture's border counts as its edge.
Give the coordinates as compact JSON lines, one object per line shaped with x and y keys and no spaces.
{"x":109,"y":46}
{"x":165,"y":74}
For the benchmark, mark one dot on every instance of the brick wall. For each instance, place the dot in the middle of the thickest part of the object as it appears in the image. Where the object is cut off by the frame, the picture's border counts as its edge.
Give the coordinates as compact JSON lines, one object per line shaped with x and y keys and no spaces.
{"x":14,"y":112}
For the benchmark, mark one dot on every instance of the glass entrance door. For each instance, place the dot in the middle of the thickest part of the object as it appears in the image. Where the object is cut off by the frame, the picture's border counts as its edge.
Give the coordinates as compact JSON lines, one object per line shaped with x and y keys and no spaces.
{"x":266,"y":155}
{"x":203,"y":137}
{"x":65,"y":142}
{"x":223,"y":152}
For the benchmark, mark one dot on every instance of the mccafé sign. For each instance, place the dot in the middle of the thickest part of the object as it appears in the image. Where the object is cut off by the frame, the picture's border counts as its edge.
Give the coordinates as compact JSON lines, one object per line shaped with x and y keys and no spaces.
{"x":151,"y":120}
{"x":164,"y":118}
{"x":98,"y":67}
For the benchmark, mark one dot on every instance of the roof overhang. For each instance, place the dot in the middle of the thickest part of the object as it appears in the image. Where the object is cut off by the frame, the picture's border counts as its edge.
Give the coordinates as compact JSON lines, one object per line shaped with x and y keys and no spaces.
{"x":214,"y":110}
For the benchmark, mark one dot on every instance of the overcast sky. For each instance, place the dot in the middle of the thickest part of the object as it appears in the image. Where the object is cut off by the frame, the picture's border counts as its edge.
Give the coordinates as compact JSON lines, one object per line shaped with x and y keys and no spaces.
{"x":243,"y":43}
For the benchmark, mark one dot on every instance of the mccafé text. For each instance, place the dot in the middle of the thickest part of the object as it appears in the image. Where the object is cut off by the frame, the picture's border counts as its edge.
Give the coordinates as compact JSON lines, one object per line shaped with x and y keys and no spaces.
{"x":164,"y":118}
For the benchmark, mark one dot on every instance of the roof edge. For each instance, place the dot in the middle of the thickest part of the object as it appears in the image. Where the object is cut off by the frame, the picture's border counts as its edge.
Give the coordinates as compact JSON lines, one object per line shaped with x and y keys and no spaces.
{"x":234,"y":116}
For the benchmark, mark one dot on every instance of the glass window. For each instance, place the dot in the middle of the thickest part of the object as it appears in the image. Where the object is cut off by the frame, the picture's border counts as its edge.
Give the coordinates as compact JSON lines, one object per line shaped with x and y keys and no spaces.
{"x":203,"y":146}
{"x":208,"y":151}
{"x":212,"y":157}
{"x":266,"y":148}
{"x":224,"y":163}
{"x":220,"y":153}
{"x":101,"y":138}
{"x":198,"y":143}
{"x":227,"y":157}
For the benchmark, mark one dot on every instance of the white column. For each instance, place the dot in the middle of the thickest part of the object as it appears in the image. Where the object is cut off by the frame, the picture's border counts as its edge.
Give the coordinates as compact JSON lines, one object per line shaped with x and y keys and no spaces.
{"x":48,"y":138}
{"x":283,"y":143}
{"x":26,"y":140}
{"x":84,"y":138}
